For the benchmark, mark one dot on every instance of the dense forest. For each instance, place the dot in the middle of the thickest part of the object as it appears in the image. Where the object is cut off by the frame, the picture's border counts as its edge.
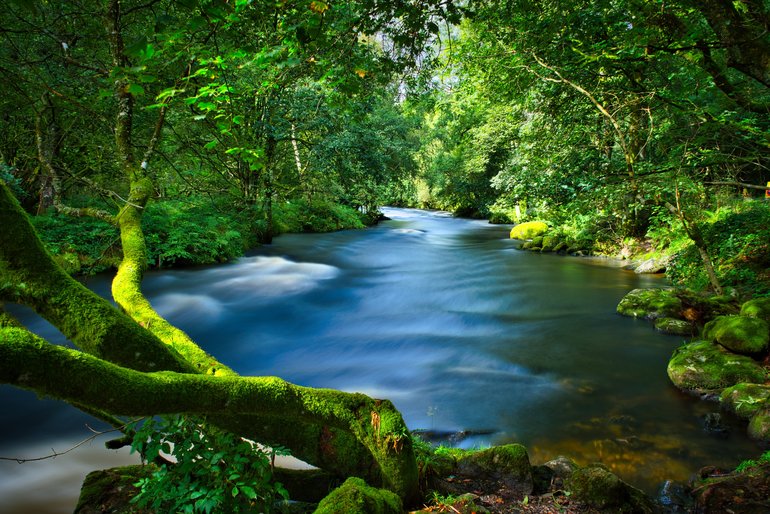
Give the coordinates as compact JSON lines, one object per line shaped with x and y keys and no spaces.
{"x":157,"y":133}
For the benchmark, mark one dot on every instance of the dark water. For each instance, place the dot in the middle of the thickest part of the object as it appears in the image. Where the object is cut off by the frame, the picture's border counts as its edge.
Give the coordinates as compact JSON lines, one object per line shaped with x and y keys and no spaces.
{"x":444,"y":317}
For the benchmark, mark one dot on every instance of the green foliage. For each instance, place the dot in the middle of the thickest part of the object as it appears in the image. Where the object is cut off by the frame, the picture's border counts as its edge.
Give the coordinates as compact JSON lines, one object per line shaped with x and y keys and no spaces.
{"x":8,"y":174}
{"x":80,"y":245}
{"x":738,"y":239}
{"x":300,"y":215}
{"x":749,"y":464}
{"x":192,"y":232}
{"x":215,"y":471}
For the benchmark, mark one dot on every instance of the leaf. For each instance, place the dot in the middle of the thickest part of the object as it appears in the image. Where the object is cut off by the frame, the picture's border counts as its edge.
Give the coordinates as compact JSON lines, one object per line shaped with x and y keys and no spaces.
{"x":250,"y":493}
{"x":235,"y":491}
{"x":211,"y":144}
{"x":135,"y":89}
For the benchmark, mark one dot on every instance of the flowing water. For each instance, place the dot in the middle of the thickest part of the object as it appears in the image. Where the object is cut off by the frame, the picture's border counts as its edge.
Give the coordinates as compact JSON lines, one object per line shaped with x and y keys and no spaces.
{"x":445,"y":317}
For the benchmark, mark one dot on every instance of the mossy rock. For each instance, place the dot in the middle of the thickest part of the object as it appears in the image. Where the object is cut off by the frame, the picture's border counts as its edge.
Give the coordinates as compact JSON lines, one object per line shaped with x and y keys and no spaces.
{"x":740,"y":334}
{"x":759,"y":425}
{"x":508,"y":463}
{"x":529,"y":230}
{"x":549,"y":243}
{"x":745,"y":400}
{"x":527,"y":245}
{"x":650,"y":304}
{"x":678,"y":327}
{"x":705,"y":367}
{"x":111,"y":490}
{"x":561,"y":247}
{"x":757,"y":308}
{"x":598,"y":487}
{"x":356,"y":497}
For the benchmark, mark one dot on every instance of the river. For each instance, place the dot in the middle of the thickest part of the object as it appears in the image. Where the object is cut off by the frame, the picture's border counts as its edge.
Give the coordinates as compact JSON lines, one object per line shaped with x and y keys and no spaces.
{"x":445,"y":317}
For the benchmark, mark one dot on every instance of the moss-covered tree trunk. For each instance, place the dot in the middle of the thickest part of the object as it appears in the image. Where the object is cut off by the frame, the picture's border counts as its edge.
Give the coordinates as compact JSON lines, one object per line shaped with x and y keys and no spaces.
{"x":124,"y":369}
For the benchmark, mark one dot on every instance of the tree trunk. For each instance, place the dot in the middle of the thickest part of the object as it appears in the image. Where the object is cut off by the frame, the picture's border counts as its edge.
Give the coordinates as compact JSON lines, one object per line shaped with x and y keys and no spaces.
{"x":346,"y":434}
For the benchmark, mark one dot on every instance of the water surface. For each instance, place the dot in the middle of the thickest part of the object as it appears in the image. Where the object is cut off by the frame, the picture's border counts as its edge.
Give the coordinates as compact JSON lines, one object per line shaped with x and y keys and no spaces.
{"x":445,"y":317}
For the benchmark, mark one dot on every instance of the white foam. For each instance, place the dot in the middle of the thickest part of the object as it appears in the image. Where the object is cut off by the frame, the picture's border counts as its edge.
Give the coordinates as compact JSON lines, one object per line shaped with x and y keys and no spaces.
{"x":181,"y":305}
{"x":272,"y":276}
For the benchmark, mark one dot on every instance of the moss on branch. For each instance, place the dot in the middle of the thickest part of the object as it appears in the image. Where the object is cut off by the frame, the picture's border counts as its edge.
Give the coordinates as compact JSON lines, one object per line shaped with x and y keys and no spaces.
{"x":29,"y":362}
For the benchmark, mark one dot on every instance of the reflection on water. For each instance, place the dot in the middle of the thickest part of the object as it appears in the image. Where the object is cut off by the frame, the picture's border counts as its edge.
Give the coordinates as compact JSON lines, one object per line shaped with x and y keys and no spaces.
{"x":447,"y":319}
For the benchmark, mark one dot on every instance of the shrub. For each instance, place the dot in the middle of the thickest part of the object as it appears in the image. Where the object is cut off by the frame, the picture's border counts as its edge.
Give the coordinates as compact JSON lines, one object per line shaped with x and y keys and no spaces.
{"x":738,"y":241}
{"x":215,"y":471}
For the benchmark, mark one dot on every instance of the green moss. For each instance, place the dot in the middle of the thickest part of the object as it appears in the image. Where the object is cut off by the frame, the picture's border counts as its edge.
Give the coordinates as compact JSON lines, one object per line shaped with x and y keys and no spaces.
{"x":529,"y":230}
{"x":757,"y":308}
{"x":745,"y":400}
{"x":650,"y":304}
{"x":508,"y":463}
{"x":356,"y":497}
{"x":110,"y":490}
{"x":603,"y":490}
{"x":739,"y":334}
{"x":674,"y":326}
{"x":549,"y":243}
{"x":706,"y":367}
{"x":759,"y":425}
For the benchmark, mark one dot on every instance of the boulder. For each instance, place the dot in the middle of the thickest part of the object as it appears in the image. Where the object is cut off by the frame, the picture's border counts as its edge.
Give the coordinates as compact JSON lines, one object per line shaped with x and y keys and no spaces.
{"x":757,"y":308}
{"x":705,"y":367}
{"x":759,"y":425}
{"x":740,"y":334}
{"x":111,"y":490}
{"x":651,"y":266}
{"x":745,"y":400}
{"x":650,"y":304}
{"x":356,"y":497}
{"x":678,"y":327}
{"x":508,"y":464}
{"x":598,"y":487}
{"x":549,"y":243}
{"x":529,"y":230}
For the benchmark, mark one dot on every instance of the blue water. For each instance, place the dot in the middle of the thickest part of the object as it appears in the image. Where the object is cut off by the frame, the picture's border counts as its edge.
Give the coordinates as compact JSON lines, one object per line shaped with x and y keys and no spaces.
{"x":445,"y":317}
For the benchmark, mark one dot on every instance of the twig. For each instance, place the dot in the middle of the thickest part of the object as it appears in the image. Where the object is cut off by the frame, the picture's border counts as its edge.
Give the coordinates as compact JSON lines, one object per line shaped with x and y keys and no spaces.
{"x":55,"y":454}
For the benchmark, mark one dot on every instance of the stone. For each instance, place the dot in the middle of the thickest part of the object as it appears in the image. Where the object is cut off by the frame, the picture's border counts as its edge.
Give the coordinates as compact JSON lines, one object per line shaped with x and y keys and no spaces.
{"x":705,"y":367}
{"x":529,"y":230}
{"x":759,"y":425}
{"x":673,"y":326}
{"x":740,"y":334}
{"x":757,"y":308}
{"x":508,"y":464}
{"x":598,"y":487}
{"x":651,"y":266}
{"x":650,"y":304}
{"x":745,"y":400}
{"x":549,"y":243}
{"x":354,"y":496}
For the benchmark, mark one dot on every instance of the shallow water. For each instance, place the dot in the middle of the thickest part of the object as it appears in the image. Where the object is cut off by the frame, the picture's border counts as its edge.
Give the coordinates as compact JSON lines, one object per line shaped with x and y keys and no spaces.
{"x":441,"y":315}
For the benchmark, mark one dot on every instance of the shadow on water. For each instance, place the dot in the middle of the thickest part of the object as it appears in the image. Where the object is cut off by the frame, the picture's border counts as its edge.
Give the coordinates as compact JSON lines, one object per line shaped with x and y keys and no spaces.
{"x":447,"y":319}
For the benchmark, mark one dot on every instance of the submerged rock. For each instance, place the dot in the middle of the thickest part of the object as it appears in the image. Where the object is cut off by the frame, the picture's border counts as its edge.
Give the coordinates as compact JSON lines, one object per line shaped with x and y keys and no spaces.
{"x":650,"y":304}
{"x":740,"y":334}
{"x":705,"y":367}
{"x":529,"y":230}
{"x":356,"y":497}
{"x":598,"y":487}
